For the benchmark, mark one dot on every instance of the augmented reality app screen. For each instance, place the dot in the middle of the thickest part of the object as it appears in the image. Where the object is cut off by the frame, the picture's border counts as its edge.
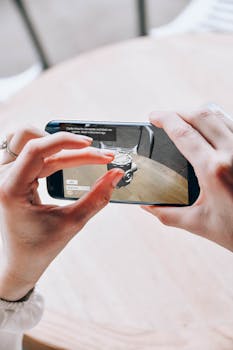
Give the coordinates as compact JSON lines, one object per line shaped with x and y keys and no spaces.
{"x":155,"y":171}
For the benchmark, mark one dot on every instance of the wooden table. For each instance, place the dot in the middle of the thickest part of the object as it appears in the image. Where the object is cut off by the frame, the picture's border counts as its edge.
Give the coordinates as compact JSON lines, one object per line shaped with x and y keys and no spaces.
{"x":126,"y":281}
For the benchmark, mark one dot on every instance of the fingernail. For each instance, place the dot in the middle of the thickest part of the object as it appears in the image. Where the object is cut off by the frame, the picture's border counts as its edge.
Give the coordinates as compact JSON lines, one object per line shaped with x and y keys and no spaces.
{"x":108,"y":154}
{"x":146,"y":207}
{"x":151,"y":117}
{"x":108,"y":157}
{"x":117,"y":178}
{"x":156,"y":116}
{"x":90,"y":139}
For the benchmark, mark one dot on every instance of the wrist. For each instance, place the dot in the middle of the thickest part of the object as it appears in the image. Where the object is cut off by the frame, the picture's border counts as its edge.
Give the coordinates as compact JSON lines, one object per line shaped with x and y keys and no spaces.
{"x":13,"y":288}
{"x":23,"y":299}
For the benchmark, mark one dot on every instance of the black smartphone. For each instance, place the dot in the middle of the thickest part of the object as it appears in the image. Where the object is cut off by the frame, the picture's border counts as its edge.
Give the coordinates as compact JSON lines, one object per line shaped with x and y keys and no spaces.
{"x":156,"y":173}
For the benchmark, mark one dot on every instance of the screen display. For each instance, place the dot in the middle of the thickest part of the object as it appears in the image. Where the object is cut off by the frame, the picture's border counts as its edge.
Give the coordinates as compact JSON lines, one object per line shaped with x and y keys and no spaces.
{"x":155,"y":171}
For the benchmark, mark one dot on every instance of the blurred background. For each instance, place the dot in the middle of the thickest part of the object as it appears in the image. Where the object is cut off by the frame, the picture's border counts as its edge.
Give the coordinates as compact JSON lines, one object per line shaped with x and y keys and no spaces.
{"x":37,"y":34}
{"x":66,"y":28}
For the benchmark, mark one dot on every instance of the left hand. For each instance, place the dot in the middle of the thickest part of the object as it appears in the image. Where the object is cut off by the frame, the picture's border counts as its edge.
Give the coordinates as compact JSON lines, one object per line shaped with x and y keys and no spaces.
{"x":33,"y":234}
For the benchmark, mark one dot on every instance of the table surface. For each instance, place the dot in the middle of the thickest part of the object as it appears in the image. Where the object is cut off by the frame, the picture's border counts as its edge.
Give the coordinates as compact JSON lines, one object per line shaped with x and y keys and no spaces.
{"x":128,"y":281}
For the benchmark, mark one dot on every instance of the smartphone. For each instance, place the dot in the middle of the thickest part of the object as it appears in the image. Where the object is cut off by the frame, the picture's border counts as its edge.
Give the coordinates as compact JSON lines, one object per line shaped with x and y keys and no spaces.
{"x":156,"y":173}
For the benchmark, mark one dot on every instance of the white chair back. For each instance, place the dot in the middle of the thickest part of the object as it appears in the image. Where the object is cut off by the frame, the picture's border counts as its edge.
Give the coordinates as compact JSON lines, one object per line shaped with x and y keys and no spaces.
{"x":11,"y":85}
{"x":200,"y":16}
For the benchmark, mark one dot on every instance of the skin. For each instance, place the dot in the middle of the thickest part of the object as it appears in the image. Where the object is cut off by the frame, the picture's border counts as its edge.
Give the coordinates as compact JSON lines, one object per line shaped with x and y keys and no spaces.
{"x":33,"y":234}
{"x":205,"y":138}
{"x":42,"y":231}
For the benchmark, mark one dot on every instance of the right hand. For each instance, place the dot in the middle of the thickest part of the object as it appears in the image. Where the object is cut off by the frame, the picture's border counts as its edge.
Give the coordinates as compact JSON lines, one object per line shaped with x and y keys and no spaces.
{"x":205,"y":138}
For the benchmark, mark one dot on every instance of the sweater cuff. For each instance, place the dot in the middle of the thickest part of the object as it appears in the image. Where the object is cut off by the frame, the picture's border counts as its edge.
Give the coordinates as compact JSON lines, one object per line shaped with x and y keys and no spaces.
{"x":19,"y":316}
{"x":24,"y":298}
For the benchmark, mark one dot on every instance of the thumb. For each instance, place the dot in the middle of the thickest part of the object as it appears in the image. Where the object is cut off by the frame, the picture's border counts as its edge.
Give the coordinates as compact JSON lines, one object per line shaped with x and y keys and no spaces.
{"x":170,"y":216}
{"x":76,"y":215}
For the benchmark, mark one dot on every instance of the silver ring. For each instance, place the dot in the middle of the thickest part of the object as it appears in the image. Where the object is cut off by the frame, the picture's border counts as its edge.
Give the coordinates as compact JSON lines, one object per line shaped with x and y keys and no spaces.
{"x":5,"y":145}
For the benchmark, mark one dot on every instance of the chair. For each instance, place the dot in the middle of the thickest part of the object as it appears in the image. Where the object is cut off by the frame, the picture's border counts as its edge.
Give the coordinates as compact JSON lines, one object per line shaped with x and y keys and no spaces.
{"x":200,"y":16}
{"x":10,"y":85}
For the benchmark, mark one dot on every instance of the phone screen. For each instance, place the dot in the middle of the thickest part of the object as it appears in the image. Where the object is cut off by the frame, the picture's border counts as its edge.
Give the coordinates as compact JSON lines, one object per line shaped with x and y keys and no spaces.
{"x":155,"y":171}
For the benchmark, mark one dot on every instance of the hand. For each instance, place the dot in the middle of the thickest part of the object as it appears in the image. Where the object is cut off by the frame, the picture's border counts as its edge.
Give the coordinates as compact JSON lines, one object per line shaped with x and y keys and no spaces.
{"x":205,"y":138}
{"x":33,"y":234}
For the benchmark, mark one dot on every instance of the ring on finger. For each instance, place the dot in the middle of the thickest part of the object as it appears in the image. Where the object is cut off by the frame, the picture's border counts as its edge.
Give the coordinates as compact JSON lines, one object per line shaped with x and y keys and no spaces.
{"x":5,"y":145}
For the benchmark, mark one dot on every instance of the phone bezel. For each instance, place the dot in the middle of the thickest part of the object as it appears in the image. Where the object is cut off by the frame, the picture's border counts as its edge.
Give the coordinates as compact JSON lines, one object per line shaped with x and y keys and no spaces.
{"x":57,"y":191}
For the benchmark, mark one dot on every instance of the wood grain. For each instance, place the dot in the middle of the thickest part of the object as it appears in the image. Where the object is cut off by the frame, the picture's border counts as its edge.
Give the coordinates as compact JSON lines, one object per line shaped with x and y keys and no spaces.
{"x":67,"y":333}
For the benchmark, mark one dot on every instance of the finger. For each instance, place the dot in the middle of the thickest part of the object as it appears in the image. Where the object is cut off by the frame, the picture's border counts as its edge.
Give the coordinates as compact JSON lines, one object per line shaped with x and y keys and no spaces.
{"x":34,"y":197}
{"x":221,"y":114}
{"x":188,"y":140}
{"x":210,"y":126}
{"x":17,"y":140}
{"x":177,"y":217}
{"x":225,"y":175}
{"x":69,"y":159}
{"x":30,"y":162}
{"x":76,"y":215}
